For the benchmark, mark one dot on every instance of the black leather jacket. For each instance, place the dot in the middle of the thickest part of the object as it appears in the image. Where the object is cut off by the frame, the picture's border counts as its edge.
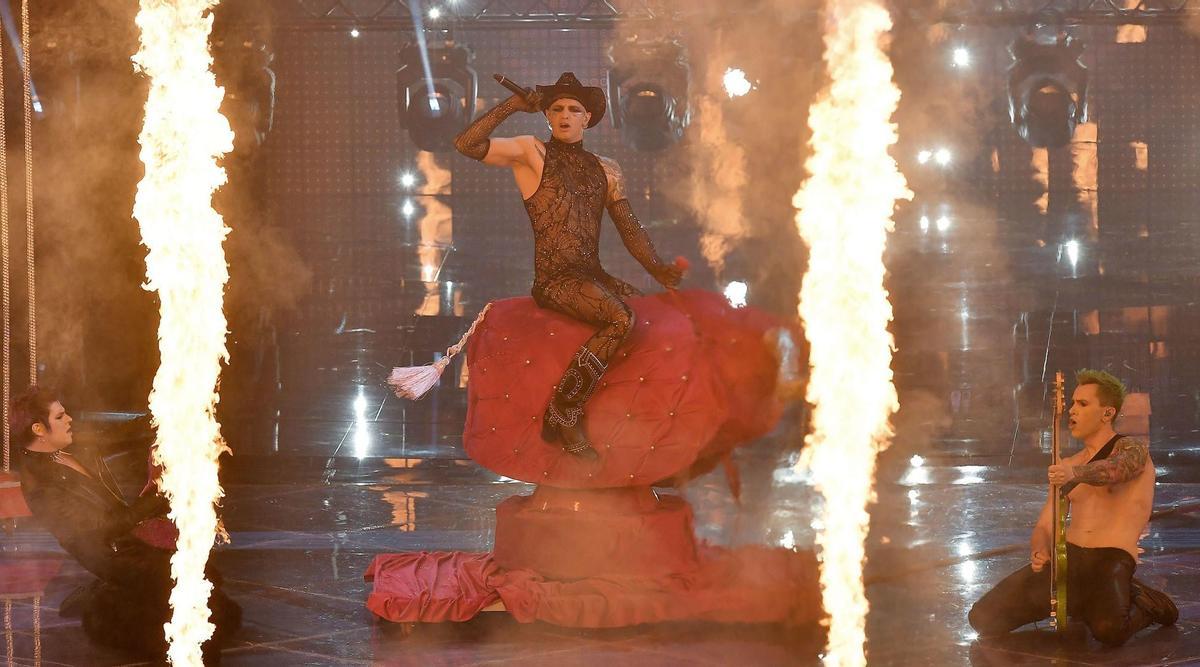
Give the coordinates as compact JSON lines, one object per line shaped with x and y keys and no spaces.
{"x":89,"y":517}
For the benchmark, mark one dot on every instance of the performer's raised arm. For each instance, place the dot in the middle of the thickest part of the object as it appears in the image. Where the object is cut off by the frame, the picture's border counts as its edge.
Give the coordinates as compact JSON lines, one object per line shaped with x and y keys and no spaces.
{"x":633,"y":234}
{"x":477,"y":143}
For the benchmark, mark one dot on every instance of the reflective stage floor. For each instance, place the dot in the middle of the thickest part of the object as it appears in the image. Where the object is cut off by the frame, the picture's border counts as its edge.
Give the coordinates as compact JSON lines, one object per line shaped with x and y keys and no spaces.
{"x":306,"y":520}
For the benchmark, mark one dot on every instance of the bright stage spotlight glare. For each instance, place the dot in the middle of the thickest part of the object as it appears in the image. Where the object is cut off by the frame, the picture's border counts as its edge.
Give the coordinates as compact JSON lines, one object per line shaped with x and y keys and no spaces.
{"x":435,"y":13}
{"x":408,"y":209}
{"x":735,"y":293}
{"x":942,"y":156}
{"x":961,"y":57}
{"x":407,"y":179}
{"x":736,"y":83}
{"x":1072,"y":248}
{"x":943,"y":223}
{"x":924,"y":222}
{"x":923,"y":156}
{"x":354,"y":32}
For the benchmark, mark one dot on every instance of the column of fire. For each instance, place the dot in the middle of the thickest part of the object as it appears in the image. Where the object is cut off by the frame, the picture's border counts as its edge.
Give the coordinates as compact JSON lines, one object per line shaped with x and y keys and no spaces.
{"x":183,"y":136}
{"x":844,"y":214}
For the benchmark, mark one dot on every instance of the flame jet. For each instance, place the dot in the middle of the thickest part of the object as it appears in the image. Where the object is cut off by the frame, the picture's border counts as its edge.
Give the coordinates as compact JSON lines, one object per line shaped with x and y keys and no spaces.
{"x":182,"y":137}
{"x":844,"y":214}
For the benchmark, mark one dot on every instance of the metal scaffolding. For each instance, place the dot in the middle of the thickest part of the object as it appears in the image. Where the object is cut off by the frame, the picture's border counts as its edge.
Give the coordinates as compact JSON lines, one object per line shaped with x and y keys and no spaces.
{"x":396,"y":15}
{"x":463,"y":14}
{"x":1068,"y":12}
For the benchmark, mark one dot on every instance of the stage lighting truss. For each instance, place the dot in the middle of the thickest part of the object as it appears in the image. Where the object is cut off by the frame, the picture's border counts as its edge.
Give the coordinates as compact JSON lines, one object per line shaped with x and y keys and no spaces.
{"x":648,"y":87}
{"x":1047,"y":86}
{"x":434,"y":120}
{"x":1068,"y":12}
{"x":481,"y":14}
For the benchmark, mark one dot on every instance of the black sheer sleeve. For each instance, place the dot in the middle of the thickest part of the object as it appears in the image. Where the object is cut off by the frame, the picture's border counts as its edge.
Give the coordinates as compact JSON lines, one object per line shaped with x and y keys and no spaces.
{"x":473,"y":142}
{"x":633,"y":234}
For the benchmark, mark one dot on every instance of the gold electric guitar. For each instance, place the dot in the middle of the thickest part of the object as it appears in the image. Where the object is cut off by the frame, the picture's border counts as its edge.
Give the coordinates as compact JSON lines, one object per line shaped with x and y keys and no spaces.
{"x":1059,"y":506}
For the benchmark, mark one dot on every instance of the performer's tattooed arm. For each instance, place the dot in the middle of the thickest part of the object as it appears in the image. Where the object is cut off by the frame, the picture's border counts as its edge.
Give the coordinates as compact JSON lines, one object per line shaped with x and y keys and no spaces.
{"x":1128,"y":459}
{"x":475,"y":142}
{"x":633,"y":234}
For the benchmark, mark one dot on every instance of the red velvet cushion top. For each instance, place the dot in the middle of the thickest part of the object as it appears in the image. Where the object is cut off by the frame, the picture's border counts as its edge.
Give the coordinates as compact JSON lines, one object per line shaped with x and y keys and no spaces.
{"x":658,"y":405}
{"x":694,"y":378}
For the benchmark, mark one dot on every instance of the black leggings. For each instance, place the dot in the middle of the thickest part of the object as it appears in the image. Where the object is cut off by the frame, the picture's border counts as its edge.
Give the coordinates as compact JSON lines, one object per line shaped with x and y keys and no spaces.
{"x":1098,"y":585}
{"x":589,"y":301}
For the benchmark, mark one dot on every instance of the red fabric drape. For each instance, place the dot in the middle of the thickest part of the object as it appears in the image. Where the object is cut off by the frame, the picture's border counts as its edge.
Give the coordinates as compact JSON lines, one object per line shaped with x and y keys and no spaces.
{"x":744,"y":585}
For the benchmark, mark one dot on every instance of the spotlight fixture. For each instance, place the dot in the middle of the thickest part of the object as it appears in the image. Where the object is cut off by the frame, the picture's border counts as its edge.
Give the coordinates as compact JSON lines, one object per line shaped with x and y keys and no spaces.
{"x":436,"y":109}
{"x":923,"y":156}
{"x":243,"y":67}
{"x":407,"y":179}
{"x":354,"y":32}
{"x":960,"y":57}
{"x":1047,"y":86}
{"x":942,"y":156}
{"x":648,"y":87}
{"x":943,"y":223}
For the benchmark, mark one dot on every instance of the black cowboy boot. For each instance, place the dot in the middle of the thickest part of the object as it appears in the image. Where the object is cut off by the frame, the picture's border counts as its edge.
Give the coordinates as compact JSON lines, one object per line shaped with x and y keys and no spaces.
{"x":1158,"y":607}
{"x":563,"y":420}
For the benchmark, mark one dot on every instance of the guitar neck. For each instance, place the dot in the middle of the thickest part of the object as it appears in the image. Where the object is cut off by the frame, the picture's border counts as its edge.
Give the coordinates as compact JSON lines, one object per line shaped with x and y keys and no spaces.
{"x":1058,"y":505}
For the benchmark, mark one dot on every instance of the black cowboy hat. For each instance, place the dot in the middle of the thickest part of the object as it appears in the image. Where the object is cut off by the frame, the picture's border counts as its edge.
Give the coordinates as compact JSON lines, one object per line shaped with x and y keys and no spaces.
{"x":591,"y":97}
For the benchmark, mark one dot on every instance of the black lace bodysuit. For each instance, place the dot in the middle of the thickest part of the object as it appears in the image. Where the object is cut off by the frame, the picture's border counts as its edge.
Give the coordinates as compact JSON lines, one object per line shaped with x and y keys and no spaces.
{"x":566,"y":213}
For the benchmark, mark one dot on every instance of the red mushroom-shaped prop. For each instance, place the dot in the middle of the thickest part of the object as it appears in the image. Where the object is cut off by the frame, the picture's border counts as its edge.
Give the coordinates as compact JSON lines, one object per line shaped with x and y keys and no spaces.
{"x":593,"y":546}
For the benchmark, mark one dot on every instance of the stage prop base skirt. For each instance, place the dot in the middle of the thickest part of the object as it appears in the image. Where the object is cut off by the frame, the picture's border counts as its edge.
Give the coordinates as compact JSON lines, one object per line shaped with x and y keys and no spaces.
{"x":596,"y":559}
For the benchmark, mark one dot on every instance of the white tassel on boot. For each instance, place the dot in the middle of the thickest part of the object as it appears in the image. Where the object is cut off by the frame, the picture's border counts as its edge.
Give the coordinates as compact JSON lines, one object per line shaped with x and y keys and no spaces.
{"x":413,"y":382}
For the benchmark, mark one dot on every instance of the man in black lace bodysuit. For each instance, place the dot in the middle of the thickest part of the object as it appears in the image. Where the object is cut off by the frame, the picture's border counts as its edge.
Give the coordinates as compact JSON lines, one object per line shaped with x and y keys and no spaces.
{"x":566,"y":191}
